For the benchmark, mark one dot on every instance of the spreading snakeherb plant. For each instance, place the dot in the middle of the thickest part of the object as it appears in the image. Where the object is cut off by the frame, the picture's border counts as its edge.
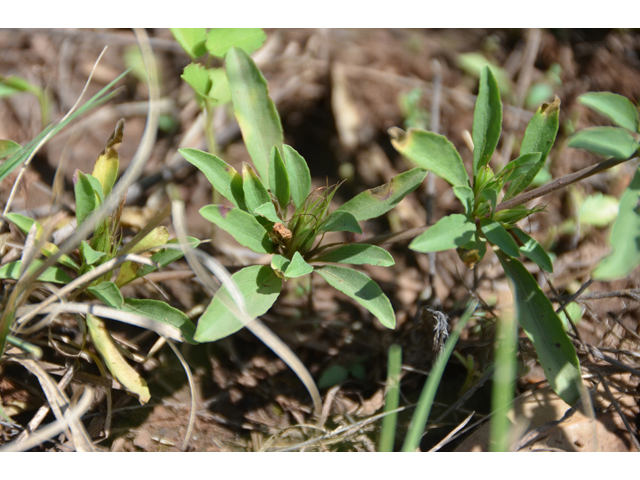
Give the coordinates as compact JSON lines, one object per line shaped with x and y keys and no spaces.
{"x":276,"y":212}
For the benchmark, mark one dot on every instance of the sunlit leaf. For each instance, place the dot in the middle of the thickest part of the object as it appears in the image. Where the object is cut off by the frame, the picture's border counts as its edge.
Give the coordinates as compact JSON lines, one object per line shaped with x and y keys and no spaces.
{"x":299,"y":175}
{"x":241,"y":225}
{"x":357,"y":254}
{"x":278,"y":178}
{"x":620,"y":110}
{"x":487,"y":120}
{"x":220,"y":40}
{"x":191,"y":40}
{"x":108,"y":293}
{"x":607,"y":141}
{"x":255,"y":193}
{"x":449,"y":232}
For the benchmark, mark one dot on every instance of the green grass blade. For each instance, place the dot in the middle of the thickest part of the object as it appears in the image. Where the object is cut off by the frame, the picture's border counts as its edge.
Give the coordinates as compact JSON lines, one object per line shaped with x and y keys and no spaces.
{"x":388,"y":432}
{"x":423,"y":409}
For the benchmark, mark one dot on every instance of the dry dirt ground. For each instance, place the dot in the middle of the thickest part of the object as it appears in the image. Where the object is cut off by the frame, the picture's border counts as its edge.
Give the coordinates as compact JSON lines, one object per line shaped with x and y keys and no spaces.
{"x":337,"y":92}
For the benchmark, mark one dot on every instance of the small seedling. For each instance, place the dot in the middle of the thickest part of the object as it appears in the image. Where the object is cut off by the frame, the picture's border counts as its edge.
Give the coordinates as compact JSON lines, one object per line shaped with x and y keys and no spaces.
{"x":276,"y":212}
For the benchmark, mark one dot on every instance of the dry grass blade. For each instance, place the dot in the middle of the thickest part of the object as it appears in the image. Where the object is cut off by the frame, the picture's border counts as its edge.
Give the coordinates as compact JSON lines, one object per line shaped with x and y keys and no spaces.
{"x":58,"y":400}
{"x":255,"y":326}
{"x":192,"y":390}
{"x":452,"y":433}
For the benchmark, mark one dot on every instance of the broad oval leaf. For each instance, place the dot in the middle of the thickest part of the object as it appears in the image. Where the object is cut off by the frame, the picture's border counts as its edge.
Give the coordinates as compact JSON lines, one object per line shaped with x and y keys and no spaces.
{"x":191,"y":40}
{"x":431,"y":151}
{"x":499,"y":236}
{"x":255,"y":193}
{"x":487,"y":120}
{"x":240,"y":225}
{"x":362,"y":289}
{"x":278,"y":178}
{"x":222,"y":176}
{"x":298,"y":267}
{"x":379,"y":200}
{"x":449,"y":232}
{"x":543,"y":326}
{"x":615,"y":107}
{"x":255,"y":111}
{"x":534,"y":251}
{"x":299,"y":175}
{"x":220,"y":40}
{"x":624,"y":238}
{"x":340,"y":221}
{"x":163,"y":313}
{"x":357,"y":254}
{"x":259,"y":286}
{"x":607,"y":141}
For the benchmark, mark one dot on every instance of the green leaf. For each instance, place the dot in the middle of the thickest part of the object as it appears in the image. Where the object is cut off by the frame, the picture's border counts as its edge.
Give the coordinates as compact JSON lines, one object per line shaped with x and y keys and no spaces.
{"x":223,"y":177}
{"x":474,"y":251}
{"x":466,"y":196}
{"x":163,"y":313}
{"x":379,"y":200}
{"x":487,"y":120}
{"x":523,"y":170}
{"x":199,"y":79}
{"x":220,"y":40}
{"x":607,"y":141}
{"x":362,"y":289}
{"x":219,"y":92}
{"x":575,"y":311}
{"x":357,"y":254}
{"x":91,"y":257}
{"x":534,"y":251}
{"x":279,"y":264}
{"x":333,"y":375}
{"x":165,"y":257}
{"x":86,"y":199}
{"x":599,"y":210}
{"x":452,"y":231}
{"x":624,"y":237}
{"x":498,"y":236}
{"x":115,"y":362}
{"x":278,"y":178}
{"x":340,"y":221}
{"x":298,"y":267}
{"x":543,"y":326}
{"x":299,"y":175}
{"x":108,"y":293}
{"x":8,"y":147}
{"x":431,"y":151}
{"x":542,"y":129}
{"x":268,"y":211}
{"x":255,"y":111}
{"x":615,"y":107}
{"x":241,"y":225}
{"x":191,"y":40}
{"x":255,"y":193}
{"x":51,"y":274}
{"x":259,"y":286}
{"x":474,"y":63}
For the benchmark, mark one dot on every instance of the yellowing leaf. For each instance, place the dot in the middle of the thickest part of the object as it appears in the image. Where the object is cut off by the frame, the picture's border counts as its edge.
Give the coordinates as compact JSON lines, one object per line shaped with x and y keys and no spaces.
{"x":108,"y":163}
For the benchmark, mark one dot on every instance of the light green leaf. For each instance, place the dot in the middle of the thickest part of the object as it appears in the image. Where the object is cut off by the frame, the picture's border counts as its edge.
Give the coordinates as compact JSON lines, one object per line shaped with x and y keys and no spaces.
{"x":543,"y":326}
{"x":452,"y":231}
{"x":379,"y":200}
{"x":51,"y":274}
{"x":223,"y":177}
{"x":241,"y":225}
{"x":431,"y":151}
{"x":8,"y":147}
{"x":191,"y":40}
{"x":474,"y":63}
{"x":523,"y":170}
{"x":607,"y":141}
{"x":620,"y":110}
{"x":219,"y":92}
{"x":255,"y":111}
{"x":487,"y":120}
{"x":599,"y":210}
{"x":279,"y":264}
{"x":357,"y":254}
{"x":542,"y":129}
{"x":299,"y":175}
{"x":259,"y":286}
{"x":498,"y":236}
{"x":534,"y":251}
{"x":220,"y":40}
{"x":465,"y":195}
{"x":340,"y":221}
{"x":91,"y":257}
{"x":163,"y":313}
{"x":255,"y":193}
{"x":278,"y":178}
{"x":624,"y":237}
{"x":115,"y":362}
{"x":298,"y":267}
{"x":268,"y":211}
{"x":575,"y":311}
{"x":108,"y":293}
{"x":199,"y":79}
{"x":362,"y":289}
{"x":86,"y":200}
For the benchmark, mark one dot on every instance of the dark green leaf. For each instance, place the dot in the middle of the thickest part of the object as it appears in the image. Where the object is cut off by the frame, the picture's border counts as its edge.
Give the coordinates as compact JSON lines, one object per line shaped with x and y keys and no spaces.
{"x":255,"y":193}
{"x":240,"y":225}
{"x":163,"y":313}
{"x":541,"y":132}
{"x":431,"y":151}
{"x":108,"y":293}
{"x":357,"y":254}
{"x":465,"y":195}
{"x":333,"y":375}
{"x":166,"y":256}
{"x":278,"y":178}
{"x":534,"y":251}
{"x":615,"y":107}
{"x":379,"y":200}
{"x":223,"y":177}
{"x":498,"y":236}
{"x":452,"y":231}
{"x":51,"y":274}
{"x":487,"y":120}
{"x":259,"y":287}
{"x":543,"y":326}
{"x":220,"y":40}
{"x":299,"y":175}
{"x":362,"y":289}
{"x":340,"y":221}
{"x":607,"y":141}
